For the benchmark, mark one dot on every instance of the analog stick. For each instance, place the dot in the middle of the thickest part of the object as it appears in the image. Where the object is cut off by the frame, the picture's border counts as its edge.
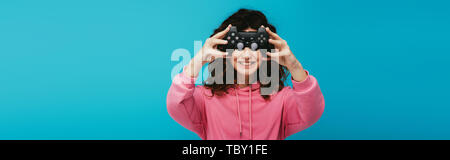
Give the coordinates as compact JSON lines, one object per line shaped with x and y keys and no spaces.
{"x":240,"y":46}
{"x":254,"y":46}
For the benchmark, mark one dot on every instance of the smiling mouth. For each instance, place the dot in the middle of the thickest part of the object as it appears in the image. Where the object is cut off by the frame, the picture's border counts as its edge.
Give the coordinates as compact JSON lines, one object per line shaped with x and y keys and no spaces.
{"x":247,"y":63}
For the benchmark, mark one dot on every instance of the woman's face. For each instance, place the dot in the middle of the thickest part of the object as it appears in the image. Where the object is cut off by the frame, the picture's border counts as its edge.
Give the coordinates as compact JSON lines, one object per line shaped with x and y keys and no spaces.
{"x":246,"y":62}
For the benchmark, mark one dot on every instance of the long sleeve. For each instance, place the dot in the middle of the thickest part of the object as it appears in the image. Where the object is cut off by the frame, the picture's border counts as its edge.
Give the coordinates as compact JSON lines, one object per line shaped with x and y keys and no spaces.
{"x":185,"y":104}
{"x":303,"y":105}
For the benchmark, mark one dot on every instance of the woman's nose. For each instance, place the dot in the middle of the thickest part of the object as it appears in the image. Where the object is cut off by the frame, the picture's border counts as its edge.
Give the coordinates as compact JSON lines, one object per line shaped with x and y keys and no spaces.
{"x":247,"y":52}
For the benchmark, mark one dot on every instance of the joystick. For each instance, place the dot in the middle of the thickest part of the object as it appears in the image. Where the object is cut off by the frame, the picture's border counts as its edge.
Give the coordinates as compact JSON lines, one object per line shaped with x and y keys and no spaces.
{"x":240,"y":40}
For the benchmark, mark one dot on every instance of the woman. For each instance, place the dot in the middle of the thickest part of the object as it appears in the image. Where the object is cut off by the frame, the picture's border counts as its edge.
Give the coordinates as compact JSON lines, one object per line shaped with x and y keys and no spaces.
{"x":239,"y":110}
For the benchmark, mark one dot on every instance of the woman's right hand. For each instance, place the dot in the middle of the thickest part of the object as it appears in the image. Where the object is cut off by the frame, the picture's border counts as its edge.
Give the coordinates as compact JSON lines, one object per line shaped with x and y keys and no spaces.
{"x":207,"y":53}
{"x":209,"y":50}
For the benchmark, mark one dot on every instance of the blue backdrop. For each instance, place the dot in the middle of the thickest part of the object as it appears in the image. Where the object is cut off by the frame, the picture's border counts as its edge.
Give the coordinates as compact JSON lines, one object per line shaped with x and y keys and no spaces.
{"x":101,"y":69}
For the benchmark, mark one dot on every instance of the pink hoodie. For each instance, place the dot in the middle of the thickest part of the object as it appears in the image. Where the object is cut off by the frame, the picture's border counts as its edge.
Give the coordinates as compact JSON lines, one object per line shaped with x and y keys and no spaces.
{"x":245,"y":115}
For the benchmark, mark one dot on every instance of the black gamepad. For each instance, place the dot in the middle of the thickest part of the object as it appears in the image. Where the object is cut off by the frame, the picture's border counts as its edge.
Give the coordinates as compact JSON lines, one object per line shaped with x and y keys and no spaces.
{"x":240,"y":40}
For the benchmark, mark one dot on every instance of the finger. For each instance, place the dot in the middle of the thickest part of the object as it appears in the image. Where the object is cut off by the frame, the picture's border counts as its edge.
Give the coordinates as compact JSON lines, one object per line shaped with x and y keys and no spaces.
{"x":214,"y":41}
{"x":273,"y":56}
{"x":265,"y":58}
{"x":278,"y":54}
{"x":221,"y":34}
{"x":217,"y":53}
{"x":272,"y":34}
{"x":276,"y":42}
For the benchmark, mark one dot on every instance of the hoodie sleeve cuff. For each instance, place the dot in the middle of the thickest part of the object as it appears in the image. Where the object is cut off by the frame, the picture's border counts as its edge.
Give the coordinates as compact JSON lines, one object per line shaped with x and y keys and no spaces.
{"x":185,"y":80}
{"x":302,"y":85}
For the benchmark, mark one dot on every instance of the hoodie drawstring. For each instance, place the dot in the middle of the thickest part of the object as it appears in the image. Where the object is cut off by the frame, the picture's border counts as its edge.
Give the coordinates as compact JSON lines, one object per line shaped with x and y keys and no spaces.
{"x":250,"y":112}
{"x":239,"y":113}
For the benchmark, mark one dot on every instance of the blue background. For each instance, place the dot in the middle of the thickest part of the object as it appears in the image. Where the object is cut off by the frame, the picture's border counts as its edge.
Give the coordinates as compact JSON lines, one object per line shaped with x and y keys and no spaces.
{"x":101,"y":69}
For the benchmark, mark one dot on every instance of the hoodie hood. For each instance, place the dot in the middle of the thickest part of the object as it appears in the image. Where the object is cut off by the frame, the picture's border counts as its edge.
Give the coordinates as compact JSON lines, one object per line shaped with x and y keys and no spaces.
{"x":254,"y":87}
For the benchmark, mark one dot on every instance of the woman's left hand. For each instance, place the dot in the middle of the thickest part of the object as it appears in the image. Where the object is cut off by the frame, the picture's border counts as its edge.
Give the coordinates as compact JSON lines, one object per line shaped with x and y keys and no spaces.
{"x":285,"y":57}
